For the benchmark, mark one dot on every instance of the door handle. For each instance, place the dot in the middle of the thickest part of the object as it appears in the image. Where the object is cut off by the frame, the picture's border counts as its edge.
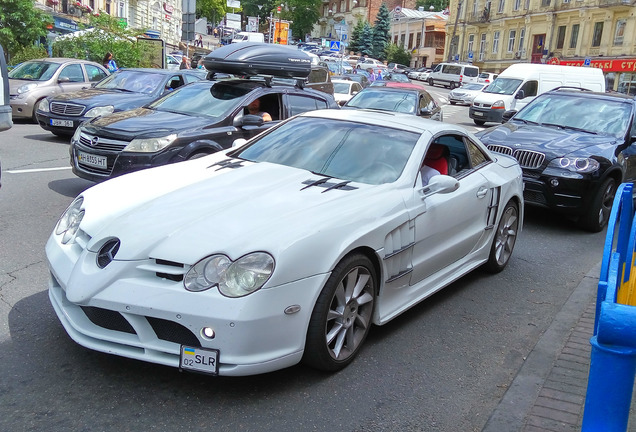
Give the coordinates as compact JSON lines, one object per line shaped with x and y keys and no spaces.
{"x":482,"y":192}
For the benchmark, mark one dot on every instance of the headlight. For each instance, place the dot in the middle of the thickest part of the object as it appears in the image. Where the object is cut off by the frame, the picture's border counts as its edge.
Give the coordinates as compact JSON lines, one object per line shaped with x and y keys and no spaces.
{"x":575,"y":164}
{"x":99,"y":111}
{"x":26,"y":88}
{"x":76,"y":135}
{"x":233,"y":279}
{"x":43,"y":106}
{"x":70,"y":221}
{"x":499,"y":105}
{"x":150,"y":145}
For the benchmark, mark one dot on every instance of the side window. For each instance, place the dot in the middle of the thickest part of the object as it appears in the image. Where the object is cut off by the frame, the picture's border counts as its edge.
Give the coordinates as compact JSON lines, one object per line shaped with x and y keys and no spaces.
{"x":460,"y":155}
{"x":175,"y":82}
{"x":94,"y":73}
{"x":190,"y":78}
{"x":476,"y":156}
{"x":471,"y":71}
{"x":73,"y":72}
{"x":453,"y":69}
{"x":530,"y":88}
{"x":356,"y":87}
{"x":298,"y":104}
{"x":318,"y":75}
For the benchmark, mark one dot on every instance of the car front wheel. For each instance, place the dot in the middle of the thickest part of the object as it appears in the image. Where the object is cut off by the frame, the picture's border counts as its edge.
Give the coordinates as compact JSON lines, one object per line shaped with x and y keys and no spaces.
{"x":599,"y":212}
{"x":342,"y":316}
{"x":505,"y":238}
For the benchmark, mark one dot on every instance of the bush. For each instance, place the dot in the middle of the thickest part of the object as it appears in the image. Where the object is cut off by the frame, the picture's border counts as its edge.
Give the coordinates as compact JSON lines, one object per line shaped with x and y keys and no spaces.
{"x":28,"y":53}
{"x":396,"y":54}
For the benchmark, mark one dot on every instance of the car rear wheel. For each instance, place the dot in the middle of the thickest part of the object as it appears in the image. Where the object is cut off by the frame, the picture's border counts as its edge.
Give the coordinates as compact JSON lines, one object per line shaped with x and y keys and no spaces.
{"x":342,"y":316}
{"x":198,"y":155}
{"x":599,"y":213}
{"x":479,"y":122}
{"x":505,"y":239}
{"x":452,"y":103}
{"x":430,"y":81}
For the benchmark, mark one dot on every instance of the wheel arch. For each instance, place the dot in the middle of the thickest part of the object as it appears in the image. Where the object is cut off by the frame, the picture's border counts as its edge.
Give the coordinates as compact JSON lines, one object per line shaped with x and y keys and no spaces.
{"x":373,"y":257}
{"x":208,"y":146}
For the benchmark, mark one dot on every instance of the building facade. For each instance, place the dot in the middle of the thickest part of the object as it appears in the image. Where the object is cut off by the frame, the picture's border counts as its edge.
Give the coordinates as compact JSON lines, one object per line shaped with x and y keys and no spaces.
{"x":493,"y":34}
{"x":423,"y":34}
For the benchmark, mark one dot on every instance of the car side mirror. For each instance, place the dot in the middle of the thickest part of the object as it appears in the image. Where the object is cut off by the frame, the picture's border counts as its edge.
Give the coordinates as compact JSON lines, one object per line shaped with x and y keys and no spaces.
{"x":63,"y":80}
{"x":520,"y":94}
{"x":439,"y":184}
{"x":425,"y":112}
{"x":508,"y":115}
{"x":248,"y":120}
{"x":342,"y":102}
{"x":238,"y":142}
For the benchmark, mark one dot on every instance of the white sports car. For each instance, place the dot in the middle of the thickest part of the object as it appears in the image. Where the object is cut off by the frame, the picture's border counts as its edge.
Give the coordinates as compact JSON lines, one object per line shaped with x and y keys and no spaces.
{"x":287,"y":248}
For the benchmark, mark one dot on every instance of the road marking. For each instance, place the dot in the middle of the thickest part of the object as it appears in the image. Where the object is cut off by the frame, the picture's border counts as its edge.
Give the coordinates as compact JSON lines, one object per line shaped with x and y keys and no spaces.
{"x":36,"y":170}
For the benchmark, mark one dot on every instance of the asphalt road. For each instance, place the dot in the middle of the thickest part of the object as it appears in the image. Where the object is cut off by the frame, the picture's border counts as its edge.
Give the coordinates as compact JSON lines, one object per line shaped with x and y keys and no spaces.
{"x":442,"y":366}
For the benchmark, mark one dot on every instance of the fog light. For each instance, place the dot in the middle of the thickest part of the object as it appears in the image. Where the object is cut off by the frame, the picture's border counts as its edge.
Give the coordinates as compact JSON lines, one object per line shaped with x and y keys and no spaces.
{"x":207,"y":333}
{"x":554,"y":182}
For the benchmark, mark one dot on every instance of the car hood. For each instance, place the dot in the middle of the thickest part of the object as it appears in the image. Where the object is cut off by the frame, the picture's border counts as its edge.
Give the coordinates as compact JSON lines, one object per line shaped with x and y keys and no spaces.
{"x":183,"y":212}
{"x":144,"y":121}
{"x":551,"y":141}
{"x":14,"y":84}
{"x":93,"y":97}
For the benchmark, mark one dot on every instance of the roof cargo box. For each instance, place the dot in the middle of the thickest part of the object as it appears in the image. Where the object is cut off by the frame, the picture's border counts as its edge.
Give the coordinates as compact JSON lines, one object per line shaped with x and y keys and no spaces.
{"x":255,"y":58}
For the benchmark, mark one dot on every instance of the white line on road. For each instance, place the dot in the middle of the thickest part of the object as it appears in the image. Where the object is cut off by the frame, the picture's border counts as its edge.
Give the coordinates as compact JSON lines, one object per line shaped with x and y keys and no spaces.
{"x":36,"y":170}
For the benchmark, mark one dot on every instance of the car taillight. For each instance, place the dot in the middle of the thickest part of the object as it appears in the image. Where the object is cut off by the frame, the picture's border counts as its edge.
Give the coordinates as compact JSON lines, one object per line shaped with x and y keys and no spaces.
{"x":461,"y":77}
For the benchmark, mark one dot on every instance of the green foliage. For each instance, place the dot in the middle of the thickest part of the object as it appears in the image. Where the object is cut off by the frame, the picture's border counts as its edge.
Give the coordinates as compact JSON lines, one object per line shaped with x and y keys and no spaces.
{"x":438,"y":5}
{"x":28,"y":53}
{"x":107,"y":35}
{"x":381,"y":32}
{"x":21,"y":25}
{"x":213,"y":10}
{"x":397,"y":54}
{"x":365,"y":44}
{"x":356,"y":36}
{"x":304,"y":14}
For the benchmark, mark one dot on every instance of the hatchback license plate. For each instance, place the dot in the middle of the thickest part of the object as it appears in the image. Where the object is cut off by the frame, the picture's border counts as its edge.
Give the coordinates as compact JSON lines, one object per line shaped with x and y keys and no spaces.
{"x":199,"y":360}
{"x":63,"y":123}
{"x":478,"y":114}
{"x":92,"y":160}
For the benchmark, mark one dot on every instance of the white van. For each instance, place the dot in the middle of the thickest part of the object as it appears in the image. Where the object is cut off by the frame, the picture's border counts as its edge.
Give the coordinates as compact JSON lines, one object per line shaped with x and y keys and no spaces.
{"x":520,"y":83}
{"x":248,"y":37}
{"x":453,"y":75}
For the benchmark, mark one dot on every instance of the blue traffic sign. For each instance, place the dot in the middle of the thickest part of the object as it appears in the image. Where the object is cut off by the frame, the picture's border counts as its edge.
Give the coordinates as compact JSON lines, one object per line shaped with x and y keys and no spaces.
{"x":334,"y":46}
{"x":587,"y":61}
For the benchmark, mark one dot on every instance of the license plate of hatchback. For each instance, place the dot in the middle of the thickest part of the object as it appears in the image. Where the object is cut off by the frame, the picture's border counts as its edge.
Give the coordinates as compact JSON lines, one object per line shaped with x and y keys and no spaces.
{"x":199,"y":360}
{"x":63,"y":123}
{"x":92,"y":160}
{"x":478,"y":114}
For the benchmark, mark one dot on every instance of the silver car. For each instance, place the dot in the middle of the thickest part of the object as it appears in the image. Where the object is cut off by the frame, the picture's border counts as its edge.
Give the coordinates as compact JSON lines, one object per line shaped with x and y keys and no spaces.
{"x":465,"y":94}
{"x":33,"y":80}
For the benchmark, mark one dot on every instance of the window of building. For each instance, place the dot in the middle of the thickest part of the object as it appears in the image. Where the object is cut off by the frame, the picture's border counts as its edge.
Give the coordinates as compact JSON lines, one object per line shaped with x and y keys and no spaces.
{"x":527,"y":5}
{"x":418,"y":40}
{"x":517,"y":5}
{"x":512,"y":35}
{"x":620,"y":31}
{"x":471,"y":42}
{"x":574,"y":37}
{"x":560,"y":37}
{"x":598,"y":33}
{"x":411,"y":41}
{"x":500,"y":9}
{"x":475,"y":7}
{"x":495,"y":42}
{"x":482,"y":47}
{"x":545,"y":2}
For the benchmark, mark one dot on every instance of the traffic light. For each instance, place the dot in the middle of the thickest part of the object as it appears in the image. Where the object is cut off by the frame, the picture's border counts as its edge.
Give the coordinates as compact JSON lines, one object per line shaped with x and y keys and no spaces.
{"x":278,"y":9}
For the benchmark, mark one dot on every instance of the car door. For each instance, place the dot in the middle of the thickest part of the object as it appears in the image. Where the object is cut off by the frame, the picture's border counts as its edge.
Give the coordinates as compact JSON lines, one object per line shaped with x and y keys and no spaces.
{"x":449,"y":226}
{"x":270,"y":103}
{"x":94,"y":73}
{"x":71,"y":78}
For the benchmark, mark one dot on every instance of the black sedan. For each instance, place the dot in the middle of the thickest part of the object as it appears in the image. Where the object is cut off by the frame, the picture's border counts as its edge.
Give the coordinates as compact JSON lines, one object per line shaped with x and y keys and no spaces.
{"x":398,"y":97}
{"x":575,"y":147}
{"x":124,"y":90}
{"x":193,"y":121}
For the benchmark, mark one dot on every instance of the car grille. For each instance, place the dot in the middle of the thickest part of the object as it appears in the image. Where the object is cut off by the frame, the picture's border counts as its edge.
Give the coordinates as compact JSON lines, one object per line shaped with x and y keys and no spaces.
{"x":164,"y":329}
{"x":481,"y":105}
{"x":527,"y":158}
{"x":100,"y":143}
{"x":534,"y":197}
{"x":67,"y":109}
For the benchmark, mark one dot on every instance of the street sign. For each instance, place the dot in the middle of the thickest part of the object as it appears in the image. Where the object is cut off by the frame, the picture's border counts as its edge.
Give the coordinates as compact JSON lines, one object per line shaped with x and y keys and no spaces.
{"x":334,"y":46}
{"x":588,"y":61}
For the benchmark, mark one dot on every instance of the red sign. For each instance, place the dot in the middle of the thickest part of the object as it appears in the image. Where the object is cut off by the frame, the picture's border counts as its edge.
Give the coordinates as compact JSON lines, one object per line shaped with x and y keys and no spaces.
{"x":614,"y":65}
{"x":168,"y":8}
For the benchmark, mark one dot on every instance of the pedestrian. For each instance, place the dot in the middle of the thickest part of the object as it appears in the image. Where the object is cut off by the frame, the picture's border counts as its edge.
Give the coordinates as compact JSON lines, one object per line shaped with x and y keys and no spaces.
{"x":184,"y":63}
{"x":216,"y":32}
{"x":371,"y":74}
{"x":109,"y":63}
{"x":198,"y":41}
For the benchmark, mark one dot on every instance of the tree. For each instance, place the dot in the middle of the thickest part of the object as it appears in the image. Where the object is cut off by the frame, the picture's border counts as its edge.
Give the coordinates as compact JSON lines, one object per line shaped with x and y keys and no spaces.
{"x":397,"y":54}
{"x":21,"y":25}
{"x":107,"y":35}
{"x":365,"y":44}
{"x":438,"y":5}
{"x":304,"y":14}
{"x":381,"y":32}
{"x":356,"y":36}
{"x":213,"y":10}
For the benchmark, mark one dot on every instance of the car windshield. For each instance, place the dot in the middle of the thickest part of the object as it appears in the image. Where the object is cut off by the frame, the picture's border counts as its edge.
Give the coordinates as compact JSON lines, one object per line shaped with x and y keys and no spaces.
{"x":504,"y":86}
{"x":341,"y":87}
{"x":345,"y":150}
{"x":398,"y":101}
{"x":34,"y":71}
{"x":398,"y":77}
{"x":472,"y":87}
{"x":132,"y":81}
{"x":601,"y":116}
{"x":203,"y":99}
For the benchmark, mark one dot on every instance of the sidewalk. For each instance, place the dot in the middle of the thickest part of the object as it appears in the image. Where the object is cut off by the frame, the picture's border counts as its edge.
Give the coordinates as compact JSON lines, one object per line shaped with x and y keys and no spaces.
{"x":548,"y":393}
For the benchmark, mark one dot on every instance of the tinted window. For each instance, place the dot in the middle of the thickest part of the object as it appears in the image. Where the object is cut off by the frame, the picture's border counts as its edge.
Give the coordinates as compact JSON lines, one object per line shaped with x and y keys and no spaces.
{"x":318,"y":75}
{"x":73,"y":72}
{"x":399,"y":101}
{"x":530,"y":88}
{"x":94,"y":73}
{"x":453,"y":69}
{"x":471,"y":71}
{"x":299,"y":104}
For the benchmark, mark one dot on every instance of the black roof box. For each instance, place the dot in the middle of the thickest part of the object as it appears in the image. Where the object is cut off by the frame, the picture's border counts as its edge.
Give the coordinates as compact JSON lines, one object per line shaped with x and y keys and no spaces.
{"x":257,"y":58}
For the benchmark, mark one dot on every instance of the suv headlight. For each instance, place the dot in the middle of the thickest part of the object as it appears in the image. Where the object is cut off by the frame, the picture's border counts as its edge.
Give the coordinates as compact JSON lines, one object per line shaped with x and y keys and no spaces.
{"x":150,"y":145}
{"x":70,"y":221}
{"x":99,"y":111}
{"x":232,"y":278}
{"x":575,"y":164}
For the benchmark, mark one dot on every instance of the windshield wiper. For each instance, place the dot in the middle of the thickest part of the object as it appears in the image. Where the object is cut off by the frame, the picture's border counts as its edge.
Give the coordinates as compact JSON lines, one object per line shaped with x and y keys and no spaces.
{"x":526,"y":121}
{"x":569,"y":127}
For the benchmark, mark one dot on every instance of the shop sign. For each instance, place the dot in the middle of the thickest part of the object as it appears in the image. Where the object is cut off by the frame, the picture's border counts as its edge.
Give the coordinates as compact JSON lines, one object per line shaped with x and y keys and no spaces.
{"x":168,"y":8}
{"x":614,"y":65}
{"x":65,"y":25}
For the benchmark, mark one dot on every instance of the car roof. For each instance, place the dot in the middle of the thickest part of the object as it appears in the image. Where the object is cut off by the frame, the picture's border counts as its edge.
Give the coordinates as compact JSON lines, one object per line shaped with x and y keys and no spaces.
{"x":61,"y":60}
{"x":585,"y":93}
{"x":390,"y":119}
{"x":397,"y":86}
{"x":159,"y":71}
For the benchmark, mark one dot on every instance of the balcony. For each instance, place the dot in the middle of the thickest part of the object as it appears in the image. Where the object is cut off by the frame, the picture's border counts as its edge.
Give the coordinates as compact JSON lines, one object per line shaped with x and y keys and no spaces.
{"x":617,"y":3}
{"x":479,"y":17}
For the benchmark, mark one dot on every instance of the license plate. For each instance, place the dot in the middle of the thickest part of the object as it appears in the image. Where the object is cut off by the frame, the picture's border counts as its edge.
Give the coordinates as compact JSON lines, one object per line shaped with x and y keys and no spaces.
{"x":199,"y":360}
{"x":478,"y":114}
{"x":93,"y":160}
{"x":63,"y":123}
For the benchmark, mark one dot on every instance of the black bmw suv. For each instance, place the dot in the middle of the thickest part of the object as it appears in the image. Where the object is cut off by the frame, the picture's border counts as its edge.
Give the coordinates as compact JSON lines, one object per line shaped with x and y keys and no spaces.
{"x":575,"y":147}
{"x":193,"y":121}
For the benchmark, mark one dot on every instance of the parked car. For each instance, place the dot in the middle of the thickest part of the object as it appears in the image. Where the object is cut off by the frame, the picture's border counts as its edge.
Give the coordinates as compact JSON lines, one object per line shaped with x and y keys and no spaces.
{"x":574,"y":147}
{"x":453,"y":75}
{"x":359,"y":77}
{"x":124,"y":90}
{"x":465,"y":94}
{"x":32,"y":81}
{"x":399,"y":68}
{"x":191,"y":122}
{"x":320,"y":79}
{"x":170,"y":265}
{"x":486,"y":77}
{"x":371,"y":64}
{"x":413,"y":74}
{"x":392,"y":76}
{"x":343,"y":90}
{"x":424,"y":75}
{"x":172,"y":63}
{"x":408,"y":98}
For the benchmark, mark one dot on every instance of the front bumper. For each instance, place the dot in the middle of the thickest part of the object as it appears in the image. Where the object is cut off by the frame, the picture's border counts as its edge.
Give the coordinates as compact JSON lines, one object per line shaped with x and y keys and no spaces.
{"x":21,"y":108}
{"x":571,"y":196}
{"x":486,"y":114}
{"x":128,"y":310}
{"x":46,"y":120}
